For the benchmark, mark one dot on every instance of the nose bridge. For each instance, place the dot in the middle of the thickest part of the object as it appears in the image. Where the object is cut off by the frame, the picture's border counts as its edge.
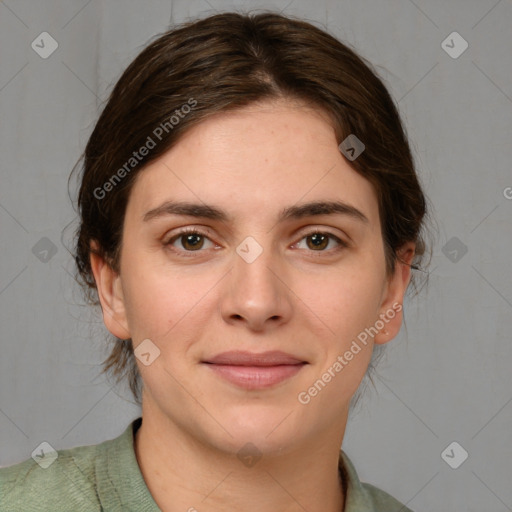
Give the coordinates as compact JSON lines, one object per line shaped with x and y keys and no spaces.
{"x":256,"y":292}
{"x":253,"y":265}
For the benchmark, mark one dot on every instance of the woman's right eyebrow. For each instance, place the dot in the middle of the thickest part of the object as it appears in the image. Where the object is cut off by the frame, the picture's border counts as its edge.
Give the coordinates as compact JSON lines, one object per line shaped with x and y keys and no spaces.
{"x":187,"y":209}
{"x":205,"y":211}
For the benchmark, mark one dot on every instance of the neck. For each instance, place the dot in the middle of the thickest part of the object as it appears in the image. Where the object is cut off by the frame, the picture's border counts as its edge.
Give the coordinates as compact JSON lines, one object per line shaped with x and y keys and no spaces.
{"x":184,"y":474}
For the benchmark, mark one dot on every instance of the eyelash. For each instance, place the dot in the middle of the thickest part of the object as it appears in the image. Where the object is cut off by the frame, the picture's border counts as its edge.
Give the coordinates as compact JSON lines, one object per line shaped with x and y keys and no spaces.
{"x":196,"y":231}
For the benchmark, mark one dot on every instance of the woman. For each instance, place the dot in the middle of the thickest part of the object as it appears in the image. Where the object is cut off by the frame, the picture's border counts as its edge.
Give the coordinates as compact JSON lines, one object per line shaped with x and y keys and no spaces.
{"x":249,"y":217}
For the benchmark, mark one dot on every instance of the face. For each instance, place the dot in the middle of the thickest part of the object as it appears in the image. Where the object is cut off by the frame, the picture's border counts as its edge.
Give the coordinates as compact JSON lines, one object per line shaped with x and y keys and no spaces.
{"x":284,"y":288}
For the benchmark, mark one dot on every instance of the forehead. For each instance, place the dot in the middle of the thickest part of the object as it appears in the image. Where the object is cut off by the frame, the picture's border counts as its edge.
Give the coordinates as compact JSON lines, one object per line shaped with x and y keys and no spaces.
{"x":257,"y":159}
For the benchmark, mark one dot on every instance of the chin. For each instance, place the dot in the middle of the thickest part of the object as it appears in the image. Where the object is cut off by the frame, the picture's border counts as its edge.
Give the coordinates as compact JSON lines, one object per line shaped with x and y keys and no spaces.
{"x":268,"y":430}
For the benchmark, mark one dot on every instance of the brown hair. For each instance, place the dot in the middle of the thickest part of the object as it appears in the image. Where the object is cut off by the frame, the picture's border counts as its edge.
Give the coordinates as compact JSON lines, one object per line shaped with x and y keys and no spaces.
{"x":222,"y":63}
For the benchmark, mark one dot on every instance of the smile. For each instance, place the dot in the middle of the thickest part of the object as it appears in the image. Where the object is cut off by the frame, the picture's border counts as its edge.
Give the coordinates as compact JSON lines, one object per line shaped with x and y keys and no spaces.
{"x":254,"y":371}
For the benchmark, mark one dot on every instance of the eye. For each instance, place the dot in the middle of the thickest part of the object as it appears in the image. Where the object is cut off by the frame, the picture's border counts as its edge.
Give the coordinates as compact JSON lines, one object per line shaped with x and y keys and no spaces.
{"x":317,"y":241}
{"x":191,"y":239}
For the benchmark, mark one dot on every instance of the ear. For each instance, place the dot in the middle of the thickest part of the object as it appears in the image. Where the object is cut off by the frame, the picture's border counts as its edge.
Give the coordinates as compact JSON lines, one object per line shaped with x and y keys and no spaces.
{"x":391,"y":310}
{"x":110,"y":292}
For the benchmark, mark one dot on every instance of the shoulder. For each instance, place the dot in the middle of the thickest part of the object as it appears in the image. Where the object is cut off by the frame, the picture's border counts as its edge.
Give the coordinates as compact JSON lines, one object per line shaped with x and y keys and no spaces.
{"x":68,"y":483}
{"x":59,"y":481}
{"x":361,"y":496}
{"x":382,"y":501}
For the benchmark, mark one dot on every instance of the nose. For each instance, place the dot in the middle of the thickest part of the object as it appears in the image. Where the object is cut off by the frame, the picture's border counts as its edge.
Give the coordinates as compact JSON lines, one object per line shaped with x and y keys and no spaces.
{"x":256,"y":293}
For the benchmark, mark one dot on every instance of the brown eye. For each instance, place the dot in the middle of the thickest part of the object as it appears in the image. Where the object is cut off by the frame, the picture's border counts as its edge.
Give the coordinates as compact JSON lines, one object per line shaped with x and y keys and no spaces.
{"x":318,"y":241}
{"x":190,"y":240}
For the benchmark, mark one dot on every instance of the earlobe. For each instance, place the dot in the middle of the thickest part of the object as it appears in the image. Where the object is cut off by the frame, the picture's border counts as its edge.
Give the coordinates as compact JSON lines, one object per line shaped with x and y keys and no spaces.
{"x":391,"y":313}
{"x":110,"y":293}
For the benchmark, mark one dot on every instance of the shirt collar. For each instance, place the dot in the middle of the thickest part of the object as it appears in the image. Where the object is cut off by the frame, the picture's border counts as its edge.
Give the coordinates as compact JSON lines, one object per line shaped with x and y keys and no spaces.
{"x":131,"y":491}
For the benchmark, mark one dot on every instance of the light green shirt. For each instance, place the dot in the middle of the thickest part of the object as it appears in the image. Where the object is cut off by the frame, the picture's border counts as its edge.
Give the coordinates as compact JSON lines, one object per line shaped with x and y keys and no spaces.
{"x":106,"y":477}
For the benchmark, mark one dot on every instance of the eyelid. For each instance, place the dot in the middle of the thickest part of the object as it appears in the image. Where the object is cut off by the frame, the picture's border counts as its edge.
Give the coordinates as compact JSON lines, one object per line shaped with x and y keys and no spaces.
{"x":202,"y":231}
{"x":310,"y":230}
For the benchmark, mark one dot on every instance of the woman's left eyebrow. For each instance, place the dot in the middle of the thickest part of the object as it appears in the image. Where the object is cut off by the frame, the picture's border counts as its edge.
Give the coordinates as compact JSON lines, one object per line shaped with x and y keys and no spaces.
{"x":205,"y":211}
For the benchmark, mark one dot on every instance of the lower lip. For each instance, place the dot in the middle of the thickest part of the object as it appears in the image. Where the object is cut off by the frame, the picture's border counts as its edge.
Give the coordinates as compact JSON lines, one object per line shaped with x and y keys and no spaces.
{"x":256,"y":377}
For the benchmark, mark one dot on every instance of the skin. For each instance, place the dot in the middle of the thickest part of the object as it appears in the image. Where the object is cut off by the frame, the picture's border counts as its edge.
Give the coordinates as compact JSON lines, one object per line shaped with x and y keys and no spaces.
{"x":309,"y":302}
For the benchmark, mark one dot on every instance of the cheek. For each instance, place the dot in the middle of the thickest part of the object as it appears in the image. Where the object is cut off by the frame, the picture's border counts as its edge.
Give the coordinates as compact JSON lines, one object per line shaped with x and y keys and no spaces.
{"x":347,"y":307}
{"x":160,"y":301}
{"x":345,"y":301}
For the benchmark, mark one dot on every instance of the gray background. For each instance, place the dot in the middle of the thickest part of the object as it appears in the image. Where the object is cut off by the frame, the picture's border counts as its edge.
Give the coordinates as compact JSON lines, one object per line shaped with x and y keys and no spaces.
{"x":445,"y":378}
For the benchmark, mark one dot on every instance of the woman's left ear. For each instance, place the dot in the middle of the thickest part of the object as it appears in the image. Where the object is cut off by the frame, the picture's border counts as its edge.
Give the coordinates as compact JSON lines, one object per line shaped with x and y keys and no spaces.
{"x":393,"y":298}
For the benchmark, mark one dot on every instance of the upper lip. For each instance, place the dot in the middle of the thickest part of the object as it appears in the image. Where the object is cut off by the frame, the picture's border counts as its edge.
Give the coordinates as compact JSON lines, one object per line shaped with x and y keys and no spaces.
{"x":241,"y":358}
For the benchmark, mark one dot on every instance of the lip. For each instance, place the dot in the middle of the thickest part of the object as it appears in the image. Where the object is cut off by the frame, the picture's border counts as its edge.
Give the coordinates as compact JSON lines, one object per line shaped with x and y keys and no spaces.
{"x":253,"y":371}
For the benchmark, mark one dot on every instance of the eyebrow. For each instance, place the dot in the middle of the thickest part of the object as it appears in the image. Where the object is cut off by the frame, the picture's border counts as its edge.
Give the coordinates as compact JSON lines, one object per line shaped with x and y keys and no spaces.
{"x":204,"y":211}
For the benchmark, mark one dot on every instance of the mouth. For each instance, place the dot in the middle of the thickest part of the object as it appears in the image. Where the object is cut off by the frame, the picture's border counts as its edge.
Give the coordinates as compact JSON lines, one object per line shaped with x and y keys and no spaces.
{"x":251,"y":371}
